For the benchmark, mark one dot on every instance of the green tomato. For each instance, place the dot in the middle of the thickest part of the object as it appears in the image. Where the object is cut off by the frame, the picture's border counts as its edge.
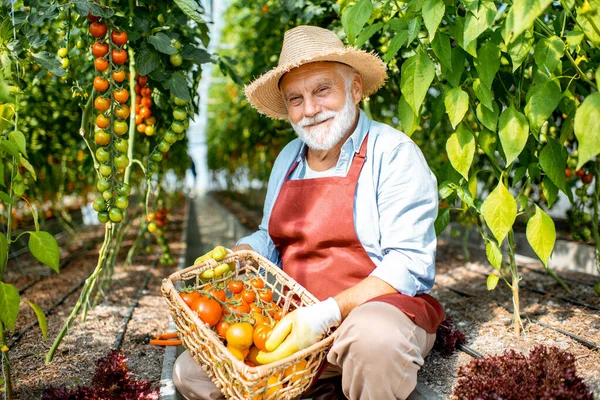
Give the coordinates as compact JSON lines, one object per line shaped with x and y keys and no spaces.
{"x":156,"y":156}
{"x":107,"y":195}
{"x":586,"y":234}
{"x":572,"y":162}
{"x":80,"y":44}
{"x":179,"y":102}
{"x":148,"y":249}
{"x":160,"y":240}
{"x":176,"y":44}
{"x":102,"y":185}
{"x":170,"y":137}
{"x":121,"y":161}
{"x":62,"y":52}
{"x":161,"y":18}
{"x":122,"y":202}
{"x":103,"y":217}
{"x":177,"y":127}
{"x":99,"y":204}
{"x":579,"y":192}
{"x":19,"y":187}
{"x":163,"y":146}
{"x":186,"y":124}
{"x":120,"y":127}
{"x":586,"y":217}
{"x":584,"y":199}
{"x":65,"y":63}
{"x":115,"y":215}
{"x":122,"y":146}
{"x":180,"y":136}
{"x":105,"y":170}
{"x":102,"y":154}
{"x":124,"y":189}
{"x":176,"y":59}
{"x":179,"y":114}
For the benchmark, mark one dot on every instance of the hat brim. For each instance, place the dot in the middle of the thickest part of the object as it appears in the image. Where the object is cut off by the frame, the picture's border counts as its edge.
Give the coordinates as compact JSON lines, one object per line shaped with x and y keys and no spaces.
{"x":265,"y":96}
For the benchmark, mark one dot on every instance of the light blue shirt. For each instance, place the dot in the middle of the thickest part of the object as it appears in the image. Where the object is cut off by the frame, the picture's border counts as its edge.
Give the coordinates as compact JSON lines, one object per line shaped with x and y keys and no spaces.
{"x":395,"y":204}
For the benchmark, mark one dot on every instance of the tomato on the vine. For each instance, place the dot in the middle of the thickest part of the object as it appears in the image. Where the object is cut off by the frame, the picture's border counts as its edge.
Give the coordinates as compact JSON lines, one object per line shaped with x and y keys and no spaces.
{"x":163,"y":146}
{"x":236,"y":286}
{"x":248,"y":296}
{"x":62,"y":52}
{"x":98,"y":29}
{"x":100,"y":84}
{"x":257,"y":283}
{"x":99,"y":204}
{"x":278,"y":315}
{"x":100,"y":64}
{"x":221,"y":328}
{"x":176,"y":59}
{"x":208,"y":310}
{"x":101,"y":103}
{"x":118,"y":38}
{"x":145,"y":112}
{"x":177,"y":127}
{"x":150,"y":130}
{"x":120,"y":128}
{"x":141,"y":128}
{"x":102,"y":185}
{"x":587,"y":178}
{"x":152,"y":227}
{"x":146,"y":102}
{"x":103,"y":217}
{"x":121,"y":161}
{"x":115,"y":215}
{"x":124,"y":189}
{"x":122,"y":111}
{"x":170,"y":137}
{"x":261,"y":334}
{"x":99,"y":49}
{"x":218,"y":294}
{"x":121,"y":95}
{"x":107,"y":195}
{"x":105,"y":170}
{"x":179,"y":114}
{"x":142,"y":80}
{"x":92,"y":18}
{"x":65,"y":63}
{"x":179,"y":102}
{"x":189,"y":297}
{"x":119,"y":76}
{"x":119,"y":56}
{"x":122,"y":202}
{"x":146,"y":92}
{"x":239,"y":335}
{"x":265,"y":295}
{"x":102,"y":122}
{"x":102,"y":154}
{"x":156,"y":156}
{"x":102,"y":138}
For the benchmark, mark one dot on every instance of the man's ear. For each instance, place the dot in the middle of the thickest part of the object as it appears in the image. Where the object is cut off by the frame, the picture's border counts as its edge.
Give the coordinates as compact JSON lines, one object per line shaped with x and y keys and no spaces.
{"x":356,"y":88}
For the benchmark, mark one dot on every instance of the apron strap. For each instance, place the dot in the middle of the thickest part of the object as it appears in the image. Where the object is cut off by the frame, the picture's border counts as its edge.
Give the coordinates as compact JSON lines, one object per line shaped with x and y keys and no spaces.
{"x":358,"y":161}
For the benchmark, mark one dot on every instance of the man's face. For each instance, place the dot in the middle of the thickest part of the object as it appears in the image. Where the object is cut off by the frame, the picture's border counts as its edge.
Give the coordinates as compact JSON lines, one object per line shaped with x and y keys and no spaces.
{"x":320,"y":107}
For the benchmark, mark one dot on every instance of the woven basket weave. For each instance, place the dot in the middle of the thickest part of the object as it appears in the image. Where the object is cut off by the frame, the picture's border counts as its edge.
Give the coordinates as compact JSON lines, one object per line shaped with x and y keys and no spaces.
{"x":236,"y":379}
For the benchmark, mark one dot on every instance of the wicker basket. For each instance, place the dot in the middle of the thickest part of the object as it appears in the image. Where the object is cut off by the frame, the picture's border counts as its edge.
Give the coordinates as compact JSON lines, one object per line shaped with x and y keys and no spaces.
{"x":236,"y":379}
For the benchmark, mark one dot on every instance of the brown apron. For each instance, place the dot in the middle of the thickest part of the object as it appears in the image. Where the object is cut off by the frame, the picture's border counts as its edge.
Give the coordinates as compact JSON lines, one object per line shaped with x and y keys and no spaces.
{"x":312,"y":226}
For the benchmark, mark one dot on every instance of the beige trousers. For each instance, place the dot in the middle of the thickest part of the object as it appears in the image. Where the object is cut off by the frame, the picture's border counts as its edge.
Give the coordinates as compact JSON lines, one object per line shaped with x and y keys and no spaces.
{"x":377,"y":349}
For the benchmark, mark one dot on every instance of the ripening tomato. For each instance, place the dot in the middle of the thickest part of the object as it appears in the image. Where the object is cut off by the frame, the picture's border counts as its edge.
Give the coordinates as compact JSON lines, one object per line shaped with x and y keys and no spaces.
{"x":236,"y":286}
{"x":141,"y":128}
{"x":258,"y":318}
{"x":118,"y":38}
{"x":248,"y":296}
{"x":257,"y":283}
{"x":99,"y":49}
{"x":146,"y":102}
{"x":208,"y":310}
{"x":119,"y":76}
{"x":100,"y":84}
{"x":150,"y":130}
{"x":239,"y":336}
{"x":221,"y":328}
{"x":142,"y":80}
{"x":120,"y":127}
{"x":260,"y":335}
{"x":101,"y":103}
{"x":102,"y":138}
{"x":218,"y":293}
{"x":252,"y":355}
{"x":102,"y":122}
{"x":568,"y":173}
{"x":580,"y":173}
{"x":119,"y":56}
{"x":98,"y":29}
{"x":241,"y":308}
{"x":587,"y":178}
{"x":100,"y":64}
{"x":265,"y":295}
{"x":189,"y":297}
{"x":152,"y":227}
{"x":121,"y":146}
{"x":122,"y":111}
{"x":121,"y":95}
{"x":138,"y":119}
{"x":145,"y":112}
{"x":92,"y":18}
{"x":150,"y":121}
{"x":278,"y":315}
{"x":146,"y":92}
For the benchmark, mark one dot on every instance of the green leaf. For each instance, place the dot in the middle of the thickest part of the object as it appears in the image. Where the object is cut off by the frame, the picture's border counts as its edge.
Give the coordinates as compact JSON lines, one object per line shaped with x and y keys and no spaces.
{"x":146,"y":59}
{"x":519,"y":174}
{"x":548,"y":52}
{"x":416,"y":77}
{"x":433,"y":11}
{"x":413,"y":29}
{"x":553,"y":160}
{"x":583,"y":20}
{"x":542,"y":100}
{"x":541,"y":235}
{"x":598,"y":76}
{"x":454,"y":74}
{"x":43,"y":246}
{"x":445,"y":189}
{"x":442,"y":50}
{"x":367,"y":33}
{"x":483,"y":94}
{"x":178,"y":85}
{"x":355,"y":17}
{"x":408,"y":119}
{"x":477,"y":22}
{"x":492,"y":281}
{"x":28,"y":167}
{"x":442,"y":221}
{"x":162,"y":43}
{"x":489,"y":118}
{"x":521,"y":17}
{"x":488,"y":63}
{"x":397,"y":42}
{"x":41,"y":317}
{"x":587,"y":126}
{"x":197,"y":55}
{"x":457,"y":104}
{"x":6,"y":198}
{"x":573,"y":38}
{"x":461,"y":149}
{"x":499,"y":211}
{"x":398,"y":25}
{"x":487,"y":141}
{"x":494,"y":254}
{"x":19,"y":138}
{"x":9,"y":304}
{"x":513,"y":131}
{"x":550,"y":191}
{"x":192,"y":9}
{"x":465,"y":196}
{"x":48,"y":61}
{"x":520,"y":48}
{"x":10,"y":147}
{"x":5,"y":96}
{"x":3,"y":252}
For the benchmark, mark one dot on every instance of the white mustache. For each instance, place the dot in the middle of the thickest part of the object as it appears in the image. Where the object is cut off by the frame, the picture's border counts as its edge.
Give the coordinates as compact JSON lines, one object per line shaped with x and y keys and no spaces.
{"x":317,"y":119}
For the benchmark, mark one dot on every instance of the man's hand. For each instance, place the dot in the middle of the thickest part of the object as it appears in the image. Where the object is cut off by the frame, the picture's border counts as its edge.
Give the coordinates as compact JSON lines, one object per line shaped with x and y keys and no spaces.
{"x":300,"y":329}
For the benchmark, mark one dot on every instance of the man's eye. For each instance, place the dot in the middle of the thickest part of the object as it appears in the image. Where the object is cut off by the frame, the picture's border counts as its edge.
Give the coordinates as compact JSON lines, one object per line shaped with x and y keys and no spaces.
{"x":321,"y":90}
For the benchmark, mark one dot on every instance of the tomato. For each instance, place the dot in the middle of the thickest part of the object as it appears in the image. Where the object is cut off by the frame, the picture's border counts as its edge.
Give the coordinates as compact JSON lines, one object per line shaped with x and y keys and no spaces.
{"x":121,"y":95}
{"x":157,"y":157}
{"x":120,"y":128}
{"x":265,"y":295}
{"x":150,"y":217}
{"x":98,"y":29}
{"x":189,"y":297}
{"x":257,"y":283}
{"x":118,"y":38}
{"x":258,"y":317}
{"x":568,"y":173}
{"x":102,"y":154}
{"x":218,"y":293}
{"x":221,"y":328}
{"x":146,"y":92}
{"x":239,"y":335}
{"x":236,"y":286}
{"x":152,"y":227}
{"x":107,"y":195}
{"x":99,"y":204}
{"x":208,"y":310}
{"x":103,"y":217}
{"x":142,"y":80}
{"x":102,"y":185}
{"x":580,"y":173}
{"x":62,"y":52}
{"x":99,"y":49}
{"x":141,"y":128}
{"x":278,"y":315}
{"x":164,"y":146}
{"x":177,"y":127}
{"x":149,"y":131}
{"x":295,"y":370}
{"x":101,"y":103}
{"x":101,"y":64}
{"x":100,"y":84}
{"x":587,"y":178}
{"x":260,"y":335}
{"x":124,"y":189}
{"x":65,"y":63}
{"x":236,"y":352}
{"x":122,"y":202}
{"x":122,"y":111}
{"x":146,"y":102}
{"x":179,"y":114}
{"x":102,"y":138}
{"x":92,"y":17}
{"x":121,"y":161}
{"x":119,"y":76}
{"x":176,"y":44}
{"x":105,"y":170}
{"x":252,"y":355}
{"x":102,"y":122}
{"x":248,"y":296}
{"x":115,"y":215}
{"x":145,"y":112}
{"x":176,"y":59}
{"x":170,"y":137}
{"x":241,"y":308}
{"x":119,"y":56}
{"x":150,"y":121}
{"x":179,"y":102}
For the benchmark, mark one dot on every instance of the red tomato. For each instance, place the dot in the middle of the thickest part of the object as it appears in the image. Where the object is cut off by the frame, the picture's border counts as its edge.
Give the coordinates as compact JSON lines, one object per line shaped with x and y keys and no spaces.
{"x":587,"y":178}
{"x":248,"y":296}
{"x":208,"y":310}
{"x":580,"y":173}
{"x":257,"y":283}
{"x":222,"y":327}
{"x":278,"y":315}
{"x":99,"y":49}
{"x":119,"y":76}
{"x":236,"y":286}
{"x":118,"y":38}
{"x":260,"y":335}
{"x":101,"y":64}
{"x":219,"y":294}
{"x":189,"y":297}
{"x":265,"y":295}
{"x":98,"y":29}
{"x":119,"y":56}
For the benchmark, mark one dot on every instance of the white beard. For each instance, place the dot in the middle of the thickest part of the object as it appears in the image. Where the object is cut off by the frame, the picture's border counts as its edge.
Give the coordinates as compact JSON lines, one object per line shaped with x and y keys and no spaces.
{"x":323,"y":137}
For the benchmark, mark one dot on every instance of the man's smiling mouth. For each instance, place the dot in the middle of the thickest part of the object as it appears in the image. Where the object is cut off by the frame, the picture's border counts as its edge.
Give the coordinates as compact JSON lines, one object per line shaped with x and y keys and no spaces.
{"x":318,"y":123}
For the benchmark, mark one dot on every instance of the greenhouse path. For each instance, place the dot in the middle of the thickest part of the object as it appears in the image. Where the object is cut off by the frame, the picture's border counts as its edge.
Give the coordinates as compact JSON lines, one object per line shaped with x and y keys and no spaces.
{"x":209,"y":225}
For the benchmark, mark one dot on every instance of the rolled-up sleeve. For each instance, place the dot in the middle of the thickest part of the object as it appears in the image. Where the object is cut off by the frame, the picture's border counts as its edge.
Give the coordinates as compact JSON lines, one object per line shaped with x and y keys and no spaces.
{"x":407,"y":202}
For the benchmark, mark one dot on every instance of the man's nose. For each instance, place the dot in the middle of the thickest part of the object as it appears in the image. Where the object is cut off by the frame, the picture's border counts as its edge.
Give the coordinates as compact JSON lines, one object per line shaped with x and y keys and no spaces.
{"x":311,"y":107}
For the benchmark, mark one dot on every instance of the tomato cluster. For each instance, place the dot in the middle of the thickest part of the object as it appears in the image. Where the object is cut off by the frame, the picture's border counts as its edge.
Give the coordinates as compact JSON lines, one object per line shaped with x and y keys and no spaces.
{"x":156,"y":226}
{"x":144,"y":120}
{"x":111,"y":130}
{"x":175,"y":132}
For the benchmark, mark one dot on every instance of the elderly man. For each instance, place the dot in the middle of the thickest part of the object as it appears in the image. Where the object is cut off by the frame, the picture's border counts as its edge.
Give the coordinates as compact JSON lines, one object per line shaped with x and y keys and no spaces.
{"x":349,"y":214}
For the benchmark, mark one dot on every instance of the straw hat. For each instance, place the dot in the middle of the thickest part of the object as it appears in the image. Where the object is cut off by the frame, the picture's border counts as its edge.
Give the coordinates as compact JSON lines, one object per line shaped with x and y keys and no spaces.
{"x":303,"y":45}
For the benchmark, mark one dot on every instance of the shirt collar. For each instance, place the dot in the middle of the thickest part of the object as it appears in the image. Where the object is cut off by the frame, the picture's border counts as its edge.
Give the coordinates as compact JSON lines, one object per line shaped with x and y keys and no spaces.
{"x":355,"y":140}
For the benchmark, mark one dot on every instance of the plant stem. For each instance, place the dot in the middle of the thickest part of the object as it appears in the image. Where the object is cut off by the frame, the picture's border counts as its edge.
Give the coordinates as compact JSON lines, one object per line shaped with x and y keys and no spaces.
{"x":132,"y":126}
{"x":579,"y":71}
{"x":5,"y":364}
{"x":515,"y":284}
{"x":595,"y":217}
